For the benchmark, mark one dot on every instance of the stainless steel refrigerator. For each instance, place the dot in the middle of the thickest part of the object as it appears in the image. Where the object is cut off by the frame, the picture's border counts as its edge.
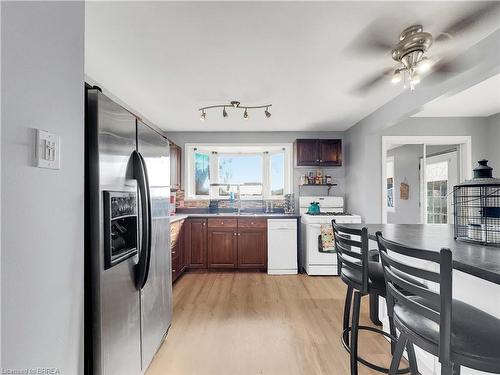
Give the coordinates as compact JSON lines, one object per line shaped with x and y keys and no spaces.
{"x":128,"y":265}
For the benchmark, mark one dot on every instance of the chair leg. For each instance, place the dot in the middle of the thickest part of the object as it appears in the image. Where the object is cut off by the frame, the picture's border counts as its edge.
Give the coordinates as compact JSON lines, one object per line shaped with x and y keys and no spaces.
{"x":354,"y":333}
{"x":392,"y":331}
{"x":456,"y":369}
{"x":412,"y":359}
{"x":374,"y":302}
{"x":347,"y":313}
{"x":398,"y":353}
{"x":451,"y":369}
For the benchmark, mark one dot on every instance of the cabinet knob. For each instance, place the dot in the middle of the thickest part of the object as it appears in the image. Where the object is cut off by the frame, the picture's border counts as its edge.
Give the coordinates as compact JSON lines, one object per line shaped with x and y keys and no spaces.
{"x":251,"y":222}
{"x":173,"y":252}
{"x":239,"y":234}
{"x":235,"y":233}
{"x":321,"y":161}
{"x":222,"y":222}
{"x":174,"y":270}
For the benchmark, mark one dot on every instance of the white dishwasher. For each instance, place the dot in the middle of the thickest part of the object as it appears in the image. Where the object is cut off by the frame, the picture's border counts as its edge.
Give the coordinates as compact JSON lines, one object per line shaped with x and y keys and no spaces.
{"x":282,"y":246}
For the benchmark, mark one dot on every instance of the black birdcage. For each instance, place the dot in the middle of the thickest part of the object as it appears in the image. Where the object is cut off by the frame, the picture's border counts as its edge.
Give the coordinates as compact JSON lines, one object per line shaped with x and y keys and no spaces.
{"x":477,"y":207}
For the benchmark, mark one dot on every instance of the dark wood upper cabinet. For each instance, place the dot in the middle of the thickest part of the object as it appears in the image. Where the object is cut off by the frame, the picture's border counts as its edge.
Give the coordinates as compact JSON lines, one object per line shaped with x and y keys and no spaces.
{"x":175,"y":167}
{"x":318,"y":152}
{"x":306,"y":152}
{"x":197,"y":243}
{"x":330,"y":152}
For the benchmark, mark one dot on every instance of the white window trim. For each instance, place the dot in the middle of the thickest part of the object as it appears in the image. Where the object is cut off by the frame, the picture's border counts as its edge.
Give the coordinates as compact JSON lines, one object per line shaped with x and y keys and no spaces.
{"x":388,"y":160}
{"x":230,"y":149}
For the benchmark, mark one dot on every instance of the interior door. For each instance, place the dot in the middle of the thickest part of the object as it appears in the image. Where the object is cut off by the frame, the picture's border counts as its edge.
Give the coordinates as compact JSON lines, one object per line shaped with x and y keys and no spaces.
{"x":438,"y":177}
{"x":156,"y":295}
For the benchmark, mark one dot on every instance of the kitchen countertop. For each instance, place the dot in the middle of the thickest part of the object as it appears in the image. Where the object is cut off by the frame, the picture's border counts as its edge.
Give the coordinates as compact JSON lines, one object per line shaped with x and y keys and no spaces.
{"x":183,"y":215}
{"x":474,"y":259}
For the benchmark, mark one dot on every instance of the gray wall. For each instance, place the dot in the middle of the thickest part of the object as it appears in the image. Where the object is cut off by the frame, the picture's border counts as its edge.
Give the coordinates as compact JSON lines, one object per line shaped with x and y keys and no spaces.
{"x":406,"y":159}
{"x":363,"y":149}
{"x":181,"y":138}
{"x":494,"y":143}
{"x":42,"y":47}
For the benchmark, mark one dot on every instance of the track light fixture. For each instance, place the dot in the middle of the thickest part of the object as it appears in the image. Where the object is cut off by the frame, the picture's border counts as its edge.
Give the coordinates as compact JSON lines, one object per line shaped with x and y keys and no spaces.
{"x":235,"y":104}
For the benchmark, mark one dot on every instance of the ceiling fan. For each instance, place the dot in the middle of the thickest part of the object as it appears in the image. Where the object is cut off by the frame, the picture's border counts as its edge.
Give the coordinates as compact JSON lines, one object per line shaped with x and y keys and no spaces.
{"x":410,"y":52}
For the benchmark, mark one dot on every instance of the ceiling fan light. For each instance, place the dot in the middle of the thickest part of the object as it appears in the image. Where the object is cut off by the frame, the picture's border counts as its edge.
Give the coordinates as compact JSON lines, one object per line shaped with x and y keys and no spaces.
{"x":203,"y":116}
{"x":224,"y":112}
{"x":267,"y":113}
{"x":396,"y":77}
{"x":424,"y":65}
{"x":245,"y":114}
{"x":415,"y":78}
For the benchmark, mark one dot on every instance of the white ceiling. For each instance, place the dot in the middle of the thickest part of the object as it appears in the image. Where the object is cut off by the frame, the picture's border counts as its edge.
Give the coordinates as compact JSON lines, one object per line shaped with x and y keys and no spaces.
{"x":167,"y":59}
{"x":481,"y":100}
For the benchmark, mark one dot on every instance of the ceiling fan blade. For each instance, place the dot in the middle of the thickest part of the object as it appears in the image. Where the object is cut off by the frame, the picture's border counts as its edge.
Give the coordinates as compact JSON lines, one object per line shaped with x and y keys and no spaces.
{"x":446,"y":68}
{"x":466,"y":22}
{"x":369,"y":84}
{"x":374,"y":39}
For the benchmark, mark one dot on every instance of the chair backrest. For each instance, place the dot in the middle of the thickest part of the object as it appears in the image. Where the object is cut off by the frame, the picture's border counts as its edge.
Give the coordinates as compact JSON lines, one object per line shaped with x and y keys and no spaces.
{"x":429,"y":304}
{"x":352,"y":254}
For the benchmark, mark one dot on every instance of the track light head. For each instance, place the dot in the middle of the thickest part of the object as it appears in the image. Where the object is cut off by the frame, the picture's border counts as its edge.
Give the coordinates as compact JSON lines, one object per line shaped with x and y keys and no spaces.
{"x":245,"y":115}
{"x":267,"y":113}
{"x":203,"y":116}
{"x":224,"y":113}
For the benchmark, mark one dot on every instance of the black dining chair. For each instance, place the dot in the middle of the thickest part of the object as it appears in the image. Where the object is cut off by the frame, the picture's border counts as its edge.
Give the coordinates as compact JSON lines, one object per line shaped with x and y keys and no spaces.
{"x":363,"y":276}
{"x":457,"y":333}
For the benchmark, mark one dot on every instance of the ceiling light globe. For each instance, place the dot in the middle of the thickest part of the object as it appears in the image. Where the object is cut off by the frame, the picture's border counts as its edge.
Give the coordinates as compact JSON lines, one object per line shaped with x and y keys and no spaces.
{"x":245,"y":115}
{"x":267,"y":113}
{"x":424,"y":65}
{"x":224,"y":112}
{"x":203,"y":116}
{"x":396,"y":77}
{"x":415,"y":78}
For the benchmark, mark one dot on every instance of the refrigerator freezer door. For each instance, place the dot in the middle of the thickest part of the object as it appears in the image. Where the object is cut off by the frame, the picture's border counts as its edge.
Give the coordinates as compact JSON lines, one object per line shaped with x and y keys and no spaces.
{"x":115,"y":299}
{"x":156,"y":296}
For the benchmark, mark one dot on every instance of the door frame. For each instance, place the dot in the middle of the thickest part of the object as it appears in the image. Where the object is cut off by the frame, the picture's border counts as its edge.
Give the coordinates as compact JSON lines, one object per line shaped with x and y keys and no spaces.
{"x":465,"y":156}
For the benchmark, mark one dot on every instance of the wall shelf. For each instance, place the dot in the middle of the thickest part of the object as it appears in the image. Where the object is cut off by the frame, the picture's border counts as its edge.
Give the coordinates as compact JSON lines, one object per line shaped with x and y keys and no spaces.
{"x":328,"y":185}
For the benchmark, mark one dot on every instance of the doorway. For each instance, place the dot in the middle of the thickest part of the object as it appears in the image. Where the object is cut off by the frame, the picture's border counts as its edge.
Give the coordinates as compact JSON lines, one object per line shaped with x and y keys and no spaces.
{"x":418,"y":176}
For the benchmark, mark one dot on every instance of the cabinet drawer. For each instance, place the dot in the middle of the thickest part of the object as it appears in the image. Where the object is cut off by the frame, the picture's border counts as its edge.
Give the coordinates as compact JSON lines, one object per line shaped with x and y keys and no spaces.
{"x":222,"y":223}
{"x":252,"y":223}
{"x":175,"y":230}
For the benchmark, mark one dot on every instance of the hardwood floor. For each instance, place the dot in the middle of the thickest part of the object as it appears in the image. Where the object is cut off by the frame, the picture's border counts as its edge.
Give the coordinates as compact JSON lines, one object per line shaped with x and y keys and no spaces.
{"x":252,"y":323}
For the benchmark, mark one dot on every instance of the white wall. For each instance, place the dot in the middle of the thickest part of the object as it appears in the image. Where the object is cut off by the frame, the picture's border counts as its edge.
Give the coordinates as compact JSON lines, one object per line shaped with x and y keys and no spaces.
{"x":42,"y":237}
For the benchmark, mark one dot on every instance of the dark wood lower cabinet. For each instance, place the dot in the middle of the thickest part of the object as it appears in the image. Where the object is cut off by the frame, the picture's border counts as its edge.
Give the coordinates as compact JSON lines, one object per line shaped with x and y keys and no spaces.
{"x":197,"y":243}
{"x":225,"y":243}
{"x":222,"y":248}
{"x":252,"y":248}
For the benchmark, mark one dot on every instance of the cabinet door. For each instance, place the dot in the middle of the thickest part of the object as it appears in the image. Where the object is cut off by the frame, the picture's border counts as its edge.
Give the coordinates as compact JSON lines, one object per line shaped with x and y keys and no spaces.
{"x":175,"y":166}
{"x":197,"y":244}
{"x":330,"y":152}
{"x":222,"y":248}
{"x":252,"y":248}
{"x":307,"y":152}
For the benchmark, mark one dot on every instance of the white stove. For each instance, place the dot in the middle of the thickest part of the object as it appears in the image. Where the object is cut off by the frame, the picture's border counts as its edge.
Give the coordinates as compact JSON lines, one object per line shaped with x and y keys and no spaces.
{"x":313,"y":261}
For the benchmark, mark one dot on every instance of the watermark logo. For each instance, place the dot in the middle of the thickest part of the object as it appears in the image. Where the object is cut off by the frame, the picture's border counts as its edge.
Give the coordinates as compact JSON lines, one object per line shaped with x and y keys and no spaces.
{"x":29,"y":371}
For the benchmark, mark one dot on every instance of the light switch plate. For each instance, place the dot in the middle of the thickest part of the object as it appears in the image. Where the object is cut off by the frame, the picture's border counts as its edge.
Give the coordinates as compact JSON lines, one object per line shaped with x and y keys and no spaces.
{"x":47,"y":150}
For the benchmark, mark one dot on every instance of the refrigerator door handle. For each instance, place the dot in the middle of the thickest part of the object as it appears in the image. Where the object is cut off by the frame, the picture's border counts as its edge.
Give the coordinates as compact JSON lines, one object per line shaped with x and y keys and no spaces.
{"x":141,"y":175}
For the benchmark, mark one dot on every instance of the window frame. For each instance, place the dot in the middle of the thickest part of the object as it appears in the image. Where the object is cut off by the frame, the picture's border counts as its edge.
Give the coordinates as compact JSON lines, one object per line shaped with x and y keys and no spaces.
{"x":237,"y":149}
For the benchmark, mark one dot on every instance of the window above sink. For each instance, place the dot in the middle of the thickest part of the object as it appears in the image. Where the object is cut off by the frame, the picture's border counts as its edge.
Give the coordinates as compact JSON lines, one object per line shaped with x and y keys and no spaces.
{"x":259,"y":171}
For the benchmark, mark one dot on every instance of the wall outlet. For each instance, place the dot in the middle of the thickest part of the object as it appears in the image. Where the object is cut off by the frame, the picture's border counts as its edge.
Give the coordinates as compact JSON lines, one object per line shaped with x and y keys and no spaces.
{"x":47,"y":150}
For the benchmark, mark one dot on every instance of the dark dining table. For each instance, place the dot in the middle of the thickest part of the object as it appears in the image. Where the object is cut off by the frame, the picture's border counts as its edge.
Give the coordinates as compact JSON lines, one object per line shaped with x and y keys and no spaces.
{"x":474,"y":259}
